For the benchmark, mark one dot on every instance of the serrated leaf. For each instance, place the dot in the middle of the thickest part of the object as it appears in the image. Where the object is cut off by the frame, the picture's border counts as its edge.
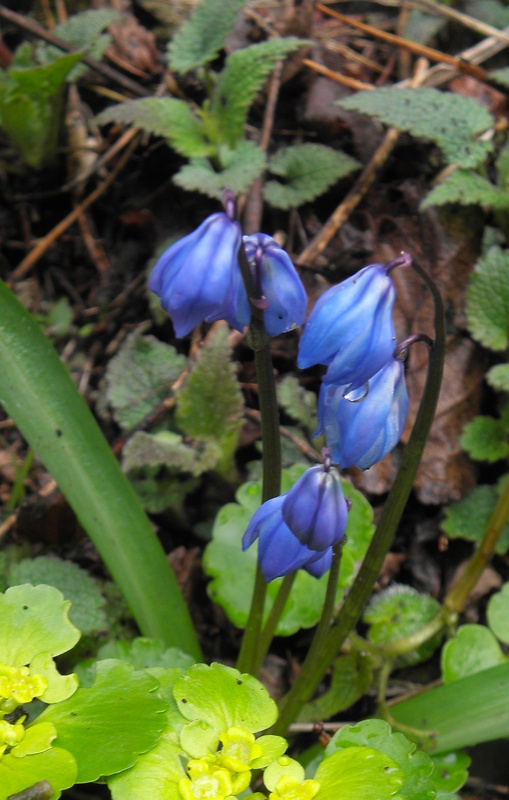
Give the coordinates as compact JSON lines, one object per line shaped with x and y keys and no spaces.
{"x":169,"y":450}
{"x":498,"y":614}
{"x":485,"y":439}
{"x":473,"y":649}
{"x":416,"y":767}
{"x":240,"y":167}
{"x":351,"y":678}
{"x":210,"y":403}
{"x":203,"y":35}
{"x":242,"y":78}
{"x":358,"y":772}
{"x":449,"y":120}
{"x":450,"y":771}
{"x":161,"y":492}
{"x":468,"y":518}
{"x":76,"y":585}
{"x":140,"y":377}
{"x":466,"y":188}
{"x":123,"y":705}
{"x":163,"y":116}
{"x":308,"y":170}
{"x":487,"y":305}
{"x":498,"y":377}
{"x":297,"y":401}
{"x":397,"y":612}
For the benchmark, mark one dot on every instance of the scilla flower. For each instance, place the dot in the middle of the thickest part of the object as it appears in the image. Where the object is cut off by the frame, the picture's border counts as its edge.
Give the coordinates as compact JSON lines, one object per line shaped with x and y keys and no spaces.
{"x":350,"y":328}
{"x":315,"y":509}
{"x":362,"y":425}
{"x":279,"y":550}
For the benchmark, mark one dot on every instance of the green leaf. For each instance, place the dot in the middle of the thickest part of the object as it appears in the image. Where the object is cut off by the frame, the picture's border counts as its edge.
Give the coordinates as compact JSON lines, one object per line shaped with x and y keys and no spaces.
{"x":297,"y":401}
{"x":307,"y":171}
{"x":155,"y":775}
{"x":487,"y":303}
{"x":397,"y":612}
{"x":351,"y":678}
{"x":498,"y":377}
{"x":76,"y":585}
{"x":498,"y":614}
{"x":163,"y":116}
{"x":468,"y":518}
{"x":142,"y":653}
{"x":473,"y":649}
{"x":168,"y":449}
{"x":416,"y":767}
{"x":56,"y":766}
{"x":450,"y":771}
{"x":200,"y":39}
{"x":451,"y":121}
{"x":240,"y":167}
{"x":242,"y":78}
{"x":233,"y":571}
{"x":140,"y":377}
{"x":122,"y":706}
{"x":466,"y":188}
{"x":358,"y":772}
{"x":500,"y":76}
{"x":485,"y":439}
{"x":161,"y":492}
{"x":210,"y":404}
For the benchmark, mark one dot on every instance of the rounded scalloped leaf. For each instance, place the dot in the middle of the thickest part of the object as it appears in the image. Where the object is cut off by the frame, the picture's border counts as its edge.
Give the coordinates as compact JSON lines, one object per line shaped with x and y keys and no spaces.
{"x":498,"y":614}
{"x":284,"y":767}
{"x":155,"y":775}
{"x":273,"y":747}
{"x":56,"y":766}
{"x":358,"y":772}
{"x":33,"y":620}
{"x":122,"y":706}
{"x":37,"y":739}
{"x":416,"y":766}
{"x":198,"y":738}
{"x":224,"y":698}
{"x":60,"y":687}
{"x":450,"y":770}
{"x":473,"y":649}
{"x":143,"y":652}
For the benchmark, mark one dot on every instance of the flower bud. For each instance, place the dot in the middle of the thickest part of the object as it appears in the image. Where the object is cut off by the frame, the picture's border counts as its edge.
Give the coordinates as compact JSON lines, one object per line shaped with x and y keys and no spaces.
{"x":362,"y":425}
{"x":315,"y":509}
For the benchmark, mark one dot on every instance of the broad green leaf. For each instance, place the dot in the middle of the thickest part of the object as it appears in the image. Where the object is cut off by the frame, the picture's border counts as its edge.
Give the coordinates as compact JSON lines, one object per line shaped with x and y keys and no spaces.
{"x":397,"y":612}
{"x":242,"y":78}
{"x":307,"y":170}
{"x":200,"y":39}
{"x":60,"y":687}
{"x":140,"y":377}
{"x":453,"y":122}
{"x":498,"y":614}
{"x":358,"y":772}
{"x":143,"y":653}
{"x":240,"y":167}
{"x":500,"y":76}
{"x":416,"y":767}
{"x":56,"y":766}
{"x":155,"y":775}
{"x":485,"y":439}
{"x":498,"y":377}
{"x":351,"y":678}
{"x":168,"y":449}
{"x":210,"y":403}
{"x":76,"y":585}
{"x":161,"y":492}
{"x":297,"y":401}
{"x":163,"y":116}
{"x":224,"y":698}
{"x":468,"y":518}
{"x":473,"y":649}
{"x":466,"y":188}
{"x":33,"y":620}
{"x":450,"y":771}
{"x":122,"y":706}
{"x":487,"y":303}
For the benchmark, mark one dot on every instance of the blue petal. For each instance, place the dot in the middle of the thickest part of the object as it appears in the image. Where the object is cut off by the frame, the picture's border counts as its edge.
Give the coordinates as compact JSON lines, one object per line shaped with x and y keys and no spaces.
{"x":315,"y":509}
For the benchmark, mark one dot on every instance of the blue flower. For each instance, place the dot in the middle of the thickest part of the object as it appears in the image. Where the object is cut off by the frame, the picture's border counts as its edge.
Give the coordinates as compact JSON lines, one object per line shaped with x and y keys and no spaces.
{"x":193,"y":277}
{"x":315,"y":509}
{"x":350,"y":328}
{"x":279,"y":551}
{"x":362,"y":425}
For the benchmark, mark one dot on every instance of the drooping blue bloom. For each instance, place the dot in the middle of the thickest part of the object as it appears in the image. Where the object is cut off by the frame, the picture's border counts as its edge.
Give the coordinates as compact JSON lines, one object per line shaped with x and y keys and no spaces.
{"x":362,"y":425}
{"x":279,"y":550}
{"x":193,"y":277}
{"x":315,"y":509}
{"x":350,"y":328}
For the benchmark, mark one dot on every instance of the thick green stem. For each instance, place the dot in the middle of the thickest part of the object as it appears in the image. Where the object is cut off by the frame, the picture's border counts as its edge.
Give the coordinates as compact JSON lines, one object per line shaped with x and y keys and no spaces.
{"x":270,"y":626}
{"x":317,"y":662}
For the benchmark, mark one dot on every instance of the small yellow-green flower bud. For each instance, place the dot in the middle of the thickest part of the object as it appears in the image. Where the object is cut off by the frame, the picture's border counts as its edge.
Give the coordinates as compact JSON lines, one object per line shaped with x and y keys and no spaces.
{"x":17,"y":684}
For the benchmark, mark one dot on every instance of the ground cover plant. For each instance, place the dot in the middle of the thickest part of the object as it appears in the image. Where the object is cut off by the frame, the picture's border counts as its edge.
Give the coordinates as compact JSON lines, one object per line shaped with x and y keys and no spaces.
{"x":253,"y":327}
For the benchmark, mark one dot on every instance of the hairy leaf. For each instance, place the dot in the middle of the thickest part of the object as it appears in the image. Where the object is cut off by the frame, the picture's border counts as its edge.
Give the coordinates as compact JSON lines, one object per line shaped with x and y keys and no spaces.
{"x":450,"y":120}
{"x":308,"y":170}
{"x":297,"y":401}
{"x":169,"y":450}
{"x":485,"y":439}
{"x":240,"y":167}
{"x":466,"y":188}
{"x":487,"y":304}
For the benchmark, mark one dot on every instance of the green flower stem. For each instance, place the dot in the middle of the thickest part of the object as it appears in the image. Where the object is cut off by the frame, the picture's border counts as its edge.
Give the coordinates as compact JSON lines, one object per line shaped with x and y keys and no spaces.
{"x":273,"y":618}
{"x":318,"y":660}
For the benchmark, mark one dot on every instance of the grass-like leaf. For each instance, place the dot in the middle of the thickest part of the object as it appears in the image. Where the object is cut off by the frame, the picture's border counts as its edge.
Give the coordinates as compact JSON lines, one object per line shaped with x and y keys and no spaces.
{"x":487,"y":304}
{"x":466,"y":188}
{"x":240,"y":168}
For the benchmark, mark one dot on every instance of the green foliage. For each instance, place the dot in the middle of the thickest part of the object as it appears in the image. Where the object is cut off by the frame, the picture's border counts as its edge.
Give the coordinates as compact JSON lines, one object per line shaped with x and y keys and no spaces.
{"x":233,"y":571}
{"x":487,"y":304}
{"x":200,"y":39}
{"x":466,"y":188}
{"x":76,"y":585}
{"x":239,"y":168}
{"x":298,"y":403}
{"x":210,"y":404}
{"x":307,"y":171}
{"x":498,"y":614}
{"x":398,"y":612}
{"x":498,"y":377}
{"x":140,"y":377}
{"x":486,"y":439}
{"x":351,"y":678}
{"x":468,"y":518}
{"x":473,"y":649}
{"x":169,"y":450}
{"x":450,"y":771}
{"x":356,"y":772}
{"x":451,"y":121}
{"x":20,"y":769}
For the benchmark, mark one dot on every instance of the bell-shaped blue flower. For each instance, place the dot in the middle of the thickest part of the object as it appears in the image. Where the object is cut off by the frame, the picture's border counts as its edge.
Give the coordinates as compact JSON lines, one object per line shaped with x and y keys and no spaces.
{"x":362,"y":425}
{"x":278,"y":282}
{"x":193,"y":277}
{"x":350,"y":328}
{"x":279,"y":551}
{"x":315,"y":509}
